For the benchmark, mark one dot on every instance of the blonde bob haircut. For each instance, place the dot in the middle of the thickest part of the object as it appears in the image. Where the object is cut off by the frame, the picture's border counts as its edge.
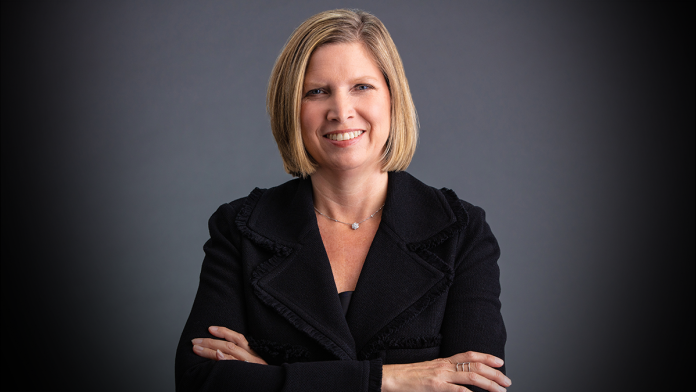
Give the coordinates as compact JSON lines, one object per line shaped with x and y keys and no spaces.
{"x":284,"y":98}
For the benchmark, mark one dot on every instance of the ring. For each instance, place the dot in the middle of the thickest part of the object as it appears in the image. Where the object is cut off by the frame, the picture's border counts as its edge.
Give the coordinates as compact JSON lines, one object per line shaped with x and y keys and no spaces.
{"x":468,"y":366}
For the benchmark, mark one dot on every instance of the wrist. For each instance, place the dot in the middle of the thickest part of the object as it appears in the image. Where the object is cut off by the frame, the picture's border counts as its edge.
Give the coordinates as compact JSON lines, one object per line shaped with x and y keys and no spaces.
{"x":387,"y":379}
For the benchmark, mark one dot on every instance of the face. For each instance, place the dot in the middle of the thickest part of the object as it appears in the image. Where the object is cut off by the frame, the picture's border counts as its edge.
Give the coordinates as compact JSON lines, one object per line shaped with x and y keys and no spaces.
{"x":346,"y":108}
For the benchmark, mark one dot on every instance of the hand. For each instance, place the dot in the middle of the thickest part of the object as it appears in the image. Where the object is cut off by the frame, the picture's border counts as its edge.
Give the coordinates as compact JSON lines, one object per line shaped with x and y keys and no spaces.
{"x":444,"y":374}
{"x":234,"y":347}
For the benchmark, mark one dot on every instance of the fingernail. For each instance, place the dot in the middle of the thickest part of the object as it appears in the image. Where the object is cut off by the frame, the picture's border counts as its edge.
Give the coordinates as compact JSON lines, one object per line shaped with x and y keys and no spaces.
{"x":498,"y":361}
{"x":214,"y":329}
{"x":198,"y":348}
{"x":509,"y":382}
{"x":197,"y":341}
{"x":220,"y":355}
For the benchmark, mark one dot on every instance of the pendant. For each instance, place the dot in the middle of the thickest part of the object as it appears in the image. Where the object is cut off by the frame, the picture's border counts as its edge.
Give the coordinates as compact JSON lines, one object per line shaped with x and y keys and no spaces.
{"x":355,"y":226}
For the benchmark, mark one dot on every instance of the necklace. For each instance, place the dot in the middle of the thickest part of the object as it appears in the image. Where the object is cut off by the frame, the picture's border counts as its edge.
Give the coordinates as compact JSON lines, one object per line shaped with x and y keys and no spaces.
{"x":355,"y":225}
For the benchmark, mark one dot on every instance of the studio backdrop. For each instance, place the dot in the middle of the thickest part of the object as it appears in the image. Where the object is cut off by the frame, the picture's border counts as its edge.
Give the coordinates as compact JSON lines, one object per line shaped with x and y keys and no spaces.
{"x":125,"y":124}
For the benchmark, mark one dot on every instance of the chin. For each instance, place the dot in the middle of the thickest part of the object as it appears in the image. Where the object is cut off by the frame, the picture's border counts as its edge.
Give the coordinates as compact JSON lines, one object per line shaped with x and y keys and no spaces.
{"x":356,"y":166}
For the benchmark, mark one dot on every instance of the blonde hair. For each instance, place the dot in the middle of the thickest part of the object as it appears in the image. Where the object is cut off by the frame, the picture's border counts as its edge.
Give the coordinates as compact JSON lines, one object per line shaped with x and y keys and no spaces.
{"x":284,"y":97}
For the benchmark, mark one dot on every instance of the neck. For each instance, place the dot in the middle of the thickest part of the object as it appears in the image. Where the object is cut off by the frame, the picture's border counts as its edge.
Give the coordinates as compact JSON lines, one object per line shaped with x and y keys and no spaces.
{"x":349,"y":197}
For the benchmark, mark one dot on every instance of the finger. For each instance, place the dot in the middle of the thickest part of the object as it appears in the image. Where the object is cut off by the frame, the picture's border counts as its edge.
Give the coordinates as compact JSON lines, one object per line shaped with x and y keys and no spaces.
{"x":473,"y":378}
{"x":220,"y":356}
{"x":486,"y":371}
{"x":226,"y":348}
{"x":241,"y":354}
{"x":205,"y":352}
{"x":216,"y":355}
{"x":238,"y":339}
{"x":479,"y":364}
{"x":214,"y":344}
{"x":230,"y":335}
{"x":229,"y":349}
{"x":207,"y":343}
{"x":490,"y":373}
{"x":473,"y":356}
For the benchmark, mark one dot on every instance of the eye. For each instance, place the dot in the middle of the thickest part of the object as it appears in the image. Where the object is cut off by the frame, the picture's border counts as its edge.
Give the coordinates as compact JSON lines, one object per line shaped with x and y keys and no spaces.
{"x":363,"y":87}
{"x":315,"y":91}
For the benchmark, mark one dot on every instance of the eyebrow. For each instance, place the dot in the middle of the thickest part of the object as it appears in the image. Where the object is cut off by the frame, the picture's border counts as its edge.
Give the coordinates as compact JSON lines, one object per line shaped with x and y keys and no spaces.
{"x":366,"y":78}
{"x":353,"y":80}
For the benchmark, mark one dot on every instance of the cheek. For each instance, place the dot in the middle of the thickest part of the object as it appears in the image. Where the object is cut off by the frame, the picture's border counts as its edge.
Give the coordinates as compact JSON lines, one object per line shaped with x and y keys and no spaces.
{"x":381,"y":113}
{"x":308,"y":119}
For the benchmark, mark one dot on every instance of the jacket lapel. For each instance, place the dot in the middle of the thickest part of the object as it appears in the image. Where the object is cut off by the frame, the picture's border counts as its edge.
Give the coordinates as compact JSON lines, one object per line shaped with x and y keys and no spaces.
{"x":401,"y":277}
{"x":392,"y":283}
{"x":297,"y":281}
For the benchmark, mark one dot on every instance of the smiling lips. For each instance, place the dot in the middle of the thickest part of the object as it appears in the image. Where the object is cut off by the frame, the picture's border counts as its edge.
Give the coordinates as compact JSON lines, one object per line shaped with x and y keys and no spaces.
{"x":344,"y":136}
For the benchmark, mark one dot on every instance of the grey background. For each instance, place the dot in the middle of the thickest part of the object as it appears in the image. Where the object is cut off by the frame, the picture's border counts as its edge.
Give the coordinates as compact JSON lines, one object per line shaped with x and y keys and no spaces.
{"x":125,"y":125}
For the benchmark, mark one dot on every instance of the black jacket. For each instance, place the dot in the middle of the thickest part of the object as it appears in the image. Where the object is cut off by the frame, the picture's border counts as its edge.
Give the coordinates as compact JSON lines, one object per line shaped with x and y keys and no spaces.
{"x":429,"y":288}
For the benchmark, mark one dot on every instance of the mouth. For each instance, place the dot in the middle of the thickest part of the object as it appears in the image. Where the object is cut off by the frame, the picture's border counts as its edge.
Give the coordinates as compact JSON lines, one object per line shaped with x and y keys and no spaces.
{"x":342,"y":136}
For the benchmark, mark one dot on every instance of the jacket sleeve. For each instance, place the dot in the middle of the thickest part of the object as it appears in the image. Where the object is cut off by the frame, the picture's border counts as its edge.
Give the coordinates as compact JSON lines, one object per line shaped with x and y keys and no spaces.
{"x":220,"y":301}
{"x":472,"y":320}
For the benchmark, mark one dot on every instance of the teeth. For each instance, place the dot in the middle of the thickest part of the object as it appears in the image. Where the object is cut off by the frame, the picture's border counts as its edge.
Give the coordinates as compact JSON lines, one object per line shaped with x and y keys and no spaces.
{"x":344,"y":136}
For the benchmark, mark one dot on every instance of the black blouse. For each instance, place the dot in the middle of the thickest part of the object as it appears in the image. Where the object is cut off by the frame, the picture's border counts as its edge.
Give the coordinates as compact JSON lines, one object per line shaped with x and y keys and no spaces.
{"x":344,"y":297}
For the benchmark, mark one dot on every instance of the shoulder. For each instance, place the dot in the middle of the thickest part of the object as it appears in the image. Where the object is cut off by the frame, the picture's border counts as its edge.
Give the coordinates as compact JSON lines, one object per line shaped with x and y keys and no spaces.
{"x":476,"y":215}
{"x":265,"y":216}
{"x":426,"y":216}
{"x":246,"y":204}
{"x":415,"y":204}
{"x":225,"y":216}
{"x":472,"y":217}
{"x":466,"y":210}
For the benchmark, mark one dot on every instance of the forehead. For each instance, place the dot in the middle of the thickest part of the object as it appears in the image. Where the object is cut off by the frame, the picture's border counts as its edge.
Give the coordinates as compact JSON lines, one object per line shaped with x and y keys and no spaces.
{"x":341,"y":60}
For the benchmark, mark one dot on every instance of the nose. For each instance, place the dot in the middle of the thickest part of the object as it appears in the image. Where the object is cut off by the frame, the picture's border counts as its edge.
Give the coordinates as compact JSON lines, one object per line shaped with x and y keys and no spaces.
{"x":341,"y":108}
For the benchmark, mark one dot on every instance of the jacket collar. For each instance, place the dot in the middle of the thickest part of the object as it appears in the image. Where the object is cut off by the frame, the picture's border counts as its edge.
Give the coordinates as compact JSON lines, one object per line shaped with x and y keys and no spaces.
{"x":399,"y":269}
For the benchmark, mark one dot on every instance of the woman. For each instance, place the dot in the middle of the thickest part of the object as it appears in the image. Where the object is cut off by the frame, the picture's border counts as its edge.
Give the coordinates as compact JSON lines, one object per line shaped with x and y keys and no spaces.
{"x":416,"y":268}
